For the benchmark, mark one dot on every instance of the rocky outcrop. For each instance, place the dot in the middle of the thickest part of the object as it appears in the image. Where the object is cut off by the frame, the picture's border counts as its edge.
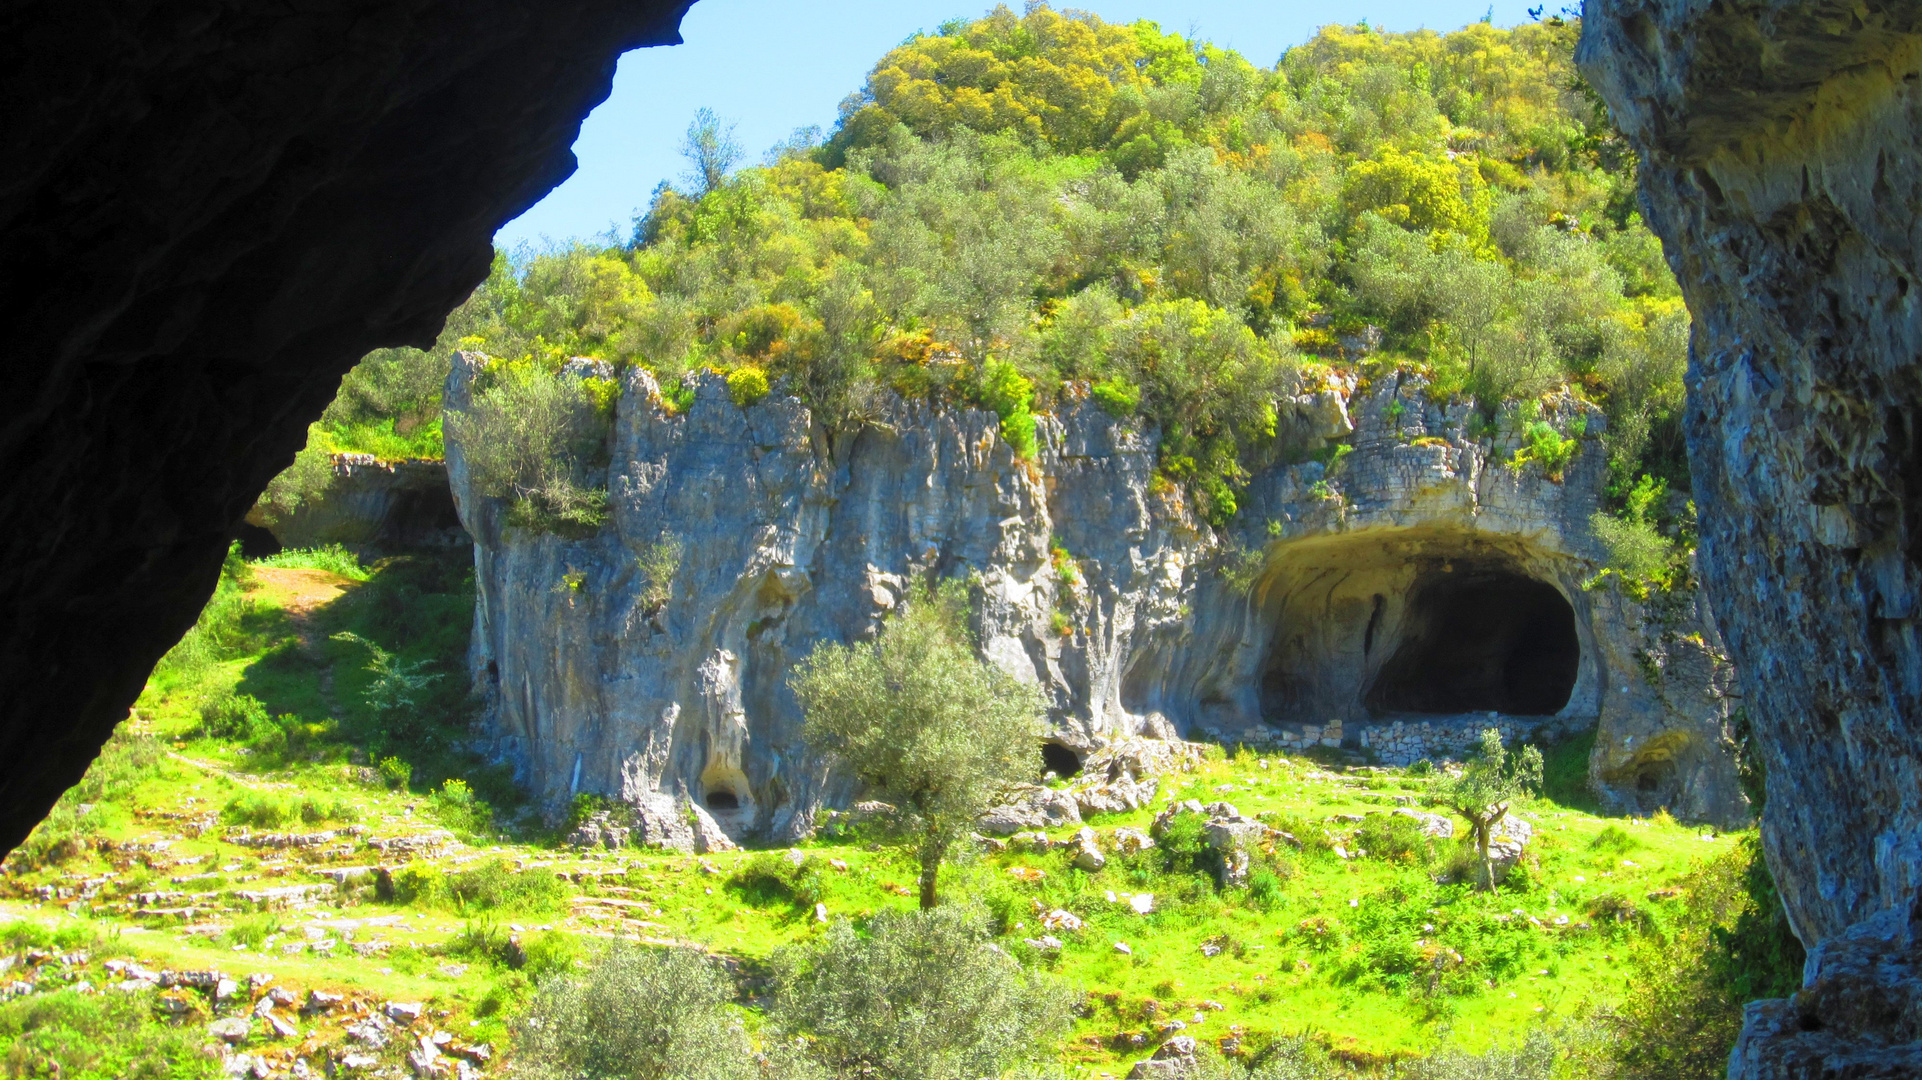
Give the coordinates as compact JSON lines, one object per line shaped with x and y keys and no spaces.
{"x":1421,"y":582}
{"x":373,"y":507}
{"x":208,"y":212}
{"x":1783,"y":172}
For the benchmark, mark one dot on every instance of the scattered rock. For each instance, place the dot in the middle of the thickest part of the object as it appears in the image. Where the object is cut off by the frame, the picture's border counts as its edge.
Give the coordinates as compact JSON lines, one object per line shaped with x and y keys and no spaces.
{"x":1435,"y":825}
{"x":233,"y":1029}
{"x":1131,"y":841}
{"x":1031,"y":806}
{"x":1087,"y":851}
{"x":1060,"y":919}
{"x":708,"y":835}
{"x":402,"y":1012}
{"x":599,"y":830}
{"x":658,"y":823}
{"x":1142,"y":902}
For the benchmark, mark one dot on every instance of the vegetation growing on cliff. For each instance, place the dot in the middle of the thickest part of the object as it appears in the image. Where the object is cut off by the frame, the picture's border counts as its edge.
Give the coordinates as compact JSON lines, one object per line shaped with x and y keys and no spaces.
{"x":1020,"y":209}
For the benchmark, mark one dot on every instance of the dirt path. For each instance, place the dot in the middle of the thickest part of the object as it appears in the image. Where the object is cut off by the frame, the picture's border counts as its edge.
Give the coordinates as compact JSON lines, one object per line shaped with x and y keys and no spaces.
{"x":300,"y":592}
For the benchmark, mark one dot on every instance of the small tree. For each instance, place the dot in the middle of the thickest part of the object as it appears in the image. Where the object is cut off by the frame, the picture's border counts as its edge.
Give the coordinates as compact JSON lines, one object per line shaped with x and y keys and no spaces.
{"x":922,"y":995}
{"x":1486,"y":787}
{"x":711,"y":150}
{"x":924,"y":724}
{"x":637,"y":1014}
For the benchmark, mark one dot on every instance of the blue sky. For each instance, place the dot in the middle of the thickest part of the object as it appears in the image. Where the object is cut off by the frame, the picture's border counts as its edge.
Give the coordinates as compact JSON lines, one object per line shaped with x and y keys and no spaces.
{"x":770,"y":67}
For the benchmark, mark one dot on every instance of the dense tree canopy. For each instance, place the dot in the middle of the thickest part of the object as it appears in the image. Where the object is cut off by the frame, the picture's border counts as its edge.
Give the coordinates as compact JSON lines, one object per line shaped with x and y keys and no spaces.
{"x":1062,"y":199}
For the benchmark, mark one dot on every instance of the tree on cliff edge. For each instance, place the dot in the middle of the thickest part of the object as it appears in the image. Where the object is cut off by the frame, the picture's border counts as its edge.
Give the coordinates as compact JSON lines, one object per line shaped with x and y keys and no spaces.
{"x":925,"y":725}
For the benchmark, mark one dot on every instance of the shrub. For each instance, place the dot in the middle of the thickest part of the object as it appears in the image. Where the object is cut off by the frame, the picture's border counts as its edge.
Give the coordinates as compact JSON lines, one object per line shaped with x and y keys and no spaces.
{"x":234,"y":716}
{"x":747,"y":385}
{"x":396,"y":686}
{"x":266,"y":810}
{"x":1614,"y":840}
{"x":1011,"y":396}
{"x":458,"y":809}
{"x":1729,"y":944}
{"x":1636,"y":551}
{"x":251,"y":931}
{"x":768,"y":878}
{"x":636,"y":1014}
{"x":416,"y":882}
{"x":1395,"y":838}
{"x":922,"y":994}
{"x":494,"y":886}
{"x":1117,"y":396}
{"x":395,"y":773}
{"x":532,"y":439}
{"x":658,"y":563}
{"x":1545,"y":446}
{"x":96,"y":1037}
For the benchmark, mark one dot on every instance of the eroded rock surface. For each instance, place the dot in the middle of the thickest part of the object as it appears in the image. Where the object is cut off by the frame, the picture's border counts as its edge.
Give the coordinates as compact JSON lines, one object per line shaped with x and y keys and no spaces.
{"x":208,"y":212}
{"x":1783,"y":173}
{"x":373,"y":507}
{"x":1401,"y":603}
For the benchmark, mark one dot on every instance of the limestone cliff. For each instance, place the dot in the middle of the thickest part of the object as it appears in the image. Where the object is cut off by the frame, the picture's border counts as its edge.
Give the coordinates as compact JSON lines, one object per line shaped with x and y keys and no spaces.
{"x":371,"y":506}
{"x":1391,"y":603}
{"x":1783,"y":173}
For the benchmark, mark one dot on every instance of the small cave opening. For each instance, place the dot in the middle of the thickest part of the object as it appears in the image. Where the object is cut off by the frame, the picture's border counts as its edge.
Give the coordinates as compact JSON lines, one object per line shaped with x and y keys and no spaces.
{"x":1060,"y":760}
{"x":1480,"y":640}
{"x":724,"y":789}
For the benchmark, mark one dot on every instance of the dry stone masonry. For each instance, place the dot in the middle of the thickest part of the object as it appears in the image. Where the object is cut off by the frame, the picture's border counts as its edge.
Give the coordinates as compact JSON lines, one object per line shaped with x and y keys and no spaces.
{"x":1398,"y":602}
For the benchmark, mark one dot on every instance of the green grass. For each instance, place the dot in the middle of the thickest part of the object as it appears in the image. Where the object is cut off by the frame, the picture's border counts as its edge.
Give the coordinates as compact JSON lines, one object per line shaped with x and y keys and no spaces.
{"x":332,"y":558}
{"x":1371,"y":955}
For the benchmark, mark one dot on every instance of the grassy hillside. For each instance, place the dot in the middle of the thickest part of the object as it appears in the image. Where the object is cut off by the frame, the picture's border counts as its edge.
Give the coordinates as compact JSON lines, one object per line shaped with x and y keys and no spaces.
{"x":265,"y":722}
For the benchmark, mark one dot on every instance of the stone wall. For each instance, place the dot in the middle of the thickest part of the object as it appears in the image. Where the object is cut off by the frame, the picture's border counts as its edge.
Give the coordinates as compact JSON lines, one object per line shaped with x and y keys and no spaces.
{"x":1783,"y":171}
{"x":1273,"y":631}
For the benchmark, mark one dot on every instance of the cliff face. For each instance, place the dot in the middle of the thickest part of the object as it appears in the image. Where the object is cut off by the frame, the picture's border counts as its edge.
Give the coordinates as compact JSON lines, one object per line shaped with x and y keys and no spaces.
{"x":208,"y":212}
{"x":1783,"y":174}
{"x":373,"y":507}
{"x":1392,"y":604}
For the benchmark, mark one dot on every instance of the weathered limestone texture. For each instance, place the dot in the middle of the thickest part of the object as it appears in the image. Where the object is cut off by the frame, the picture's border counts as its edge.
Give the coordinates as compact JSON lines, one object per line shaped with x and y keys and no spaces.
{"x":1782,"y":171}
{"x":208,"y":212}
{"x":373,"y":507}
{"x":1417,"y":582}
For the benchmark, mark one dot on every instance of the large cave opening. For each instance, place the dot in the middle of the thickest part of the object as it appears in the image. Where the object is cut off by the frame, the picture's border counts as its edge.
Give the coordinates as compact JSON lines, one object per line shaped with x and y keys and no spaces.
{"x":1376,"y":629}
{"x":1487,"y":640}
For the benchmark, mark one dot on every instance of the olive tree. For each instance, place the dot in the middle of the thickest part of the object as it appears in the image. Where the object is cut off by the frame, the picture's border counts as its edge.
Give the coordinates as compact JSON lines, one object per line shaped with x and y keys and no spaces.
{"x":925,"y":725}
{"x":1486,"y":786}
{"x":635,"y":1014}
{"x":921,"y":995}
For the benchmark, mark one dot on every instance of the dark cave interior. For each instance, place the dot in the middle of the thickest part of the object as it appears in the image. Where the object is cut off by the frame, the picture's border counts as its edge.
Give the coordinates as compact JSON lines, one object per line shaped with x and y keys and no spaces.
{"x":1480,"y":640}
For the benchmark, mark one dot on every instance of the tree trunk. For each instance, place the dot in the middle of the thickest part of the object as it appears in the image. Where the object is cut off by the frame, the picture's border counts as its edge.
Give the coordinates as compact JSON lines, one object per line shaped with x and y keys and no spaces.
{"x":1488,"y":865}
{"x":931,"y":852}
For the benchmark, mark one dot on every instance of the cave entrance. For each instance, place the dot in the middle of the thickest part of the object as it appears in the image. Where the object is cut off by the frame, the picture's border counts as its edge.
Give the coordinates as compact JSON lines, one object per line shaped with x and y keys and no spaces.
{"x":1480,"y":640}
{"x":1060,"y":760}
